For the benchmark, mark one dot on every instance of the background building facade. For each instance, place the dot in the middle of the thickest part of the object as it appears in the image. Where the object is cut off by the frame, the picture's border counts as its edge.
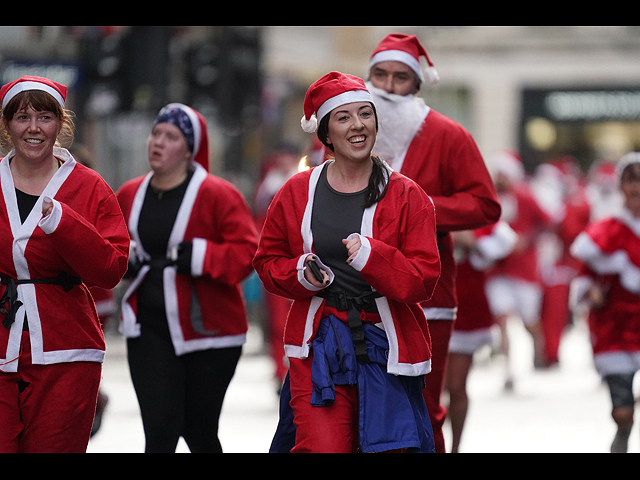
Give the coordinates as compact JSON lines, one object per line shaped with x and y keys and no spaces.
{"x":538,"y":90}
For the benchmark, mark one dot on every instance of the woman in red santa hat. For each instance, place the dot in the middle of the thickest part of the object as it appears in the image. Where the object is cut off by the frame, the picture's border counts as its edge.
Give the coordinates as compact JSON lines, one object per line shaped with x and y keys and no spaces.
{"x":609,"y":287}
{"x":183,"y":314}
{"x":356,"y":337}
{"x":62,"y":233}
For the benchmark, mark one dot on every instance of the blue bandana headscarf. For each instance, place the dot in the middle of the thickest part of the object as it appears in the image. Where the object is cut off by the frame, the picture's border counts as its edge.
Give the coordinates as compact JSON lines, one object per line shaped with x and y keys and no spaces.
{"x":178,"y":117}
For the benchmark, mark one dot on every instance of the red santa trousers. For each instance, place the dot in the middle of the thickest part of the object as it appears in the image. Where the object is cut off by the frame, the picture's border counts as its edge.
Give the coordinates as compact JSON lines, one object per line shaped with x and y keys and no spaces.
{"x":332,"y":429}
{"x":441,"y":331}
{"x":54,"y":413}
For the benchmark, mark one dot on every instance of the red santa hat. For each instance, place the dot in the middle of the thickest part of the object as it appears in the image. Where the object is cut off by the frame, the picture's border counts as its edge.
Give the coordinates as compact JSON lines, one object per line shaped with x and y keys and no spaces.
{"x":328,"y":92}
{"x":603,"y":171}
{"x":509,"y":164}
{"x":28,"y":82}
{"x":193,"y":126}
{"x":399,"y":47}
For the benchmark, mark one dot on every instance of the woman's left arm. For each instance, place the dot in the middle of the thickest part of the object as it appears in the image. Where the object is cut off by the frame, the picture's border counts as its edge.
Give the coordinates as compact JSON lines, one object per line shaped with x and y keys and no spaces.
{"x":96,"y":251}
{"x":409,"y":271}
{"x":227,"y":257}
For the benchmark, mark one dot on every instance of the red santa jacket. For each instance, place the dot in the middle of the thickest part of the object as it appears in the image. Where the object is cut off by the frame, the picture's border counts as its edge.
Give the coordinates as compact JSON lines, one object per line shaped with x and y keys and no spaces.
{"x":445,"y":161}
{"x":398,"y":258}
{"x":492,"y":243}
{"x":85,"y":236}
{"x":216,"y":219}
{"x":523,"y":213}
{"x":610,"y":254}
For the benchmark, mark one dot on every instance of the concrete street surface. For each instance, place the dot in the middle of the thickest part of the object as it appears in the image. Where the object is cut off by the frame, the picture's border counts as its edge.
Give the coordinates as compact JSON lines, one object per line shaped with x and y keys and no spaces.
{"x":565,"y":409}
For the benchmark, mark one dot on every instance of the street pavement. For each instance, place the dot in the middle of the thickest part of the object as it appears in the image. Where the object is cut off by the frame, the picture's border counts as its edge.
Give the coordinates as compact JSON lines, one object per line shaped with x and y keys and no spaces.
{"x":565,"y":409}
{"x":249,"y":416}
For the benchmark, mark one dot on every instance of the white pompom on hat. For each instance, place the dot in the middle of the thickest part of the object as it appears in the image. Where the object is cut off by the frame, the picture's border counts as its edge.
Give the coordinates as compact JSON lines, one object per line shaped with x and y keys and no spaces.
{"x":30,"y":82}
{"x":328,"y":92}
{"x":399,"y":47}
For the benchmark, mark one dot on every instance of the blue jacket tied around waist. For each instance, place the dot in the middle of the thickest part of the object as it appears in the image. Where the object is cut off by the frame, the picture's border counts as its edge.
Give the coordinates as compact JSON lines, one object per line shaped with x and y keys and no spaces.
{"x":392,"y":411}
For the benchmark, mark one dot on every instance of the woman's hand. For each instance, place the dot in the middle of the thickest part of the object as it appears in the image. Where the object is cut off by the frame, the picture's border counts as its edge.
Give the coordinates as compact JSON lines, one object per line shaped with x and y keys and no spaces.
{"x":47,"y":208}
{"x":596,"y":296}
{"x":464,"y":238}
{"x":308,"y":274}
{"x":353,"y":247}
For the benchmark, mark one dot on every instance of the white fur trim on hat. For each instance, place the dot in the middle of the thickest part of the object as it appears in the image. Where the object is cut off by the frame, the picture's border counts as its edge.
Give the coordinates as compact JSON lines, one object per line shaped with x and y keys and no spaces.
{"x":342,"y":99}
{"x":25,"y":86}
{"x":351,"y":96}
{"x":409,"y":60}
{"x":626,"y":160}
{"x":398,"y":56}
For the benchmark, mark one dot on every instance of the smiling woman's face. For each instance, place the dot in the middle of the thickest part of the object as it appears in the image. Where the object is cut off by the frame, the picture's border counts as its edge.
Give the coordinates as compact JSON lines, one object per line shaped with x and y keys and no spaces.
{"x":33,"y":133}
{"x":352,"y":130}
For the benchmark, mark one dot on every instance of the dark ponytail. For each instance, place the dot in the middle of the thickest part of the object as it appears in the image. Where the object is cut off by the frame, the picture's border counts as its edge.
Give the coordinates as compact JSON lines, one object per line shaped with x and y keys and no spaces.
{"x":378,"y":182}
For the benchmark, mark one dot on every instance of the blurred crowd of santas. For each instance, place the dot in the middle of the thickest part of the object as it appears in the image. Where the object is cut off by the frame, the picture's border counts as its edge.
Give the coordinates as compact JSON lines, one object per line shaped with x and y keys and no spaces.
{"x":530,"y":275}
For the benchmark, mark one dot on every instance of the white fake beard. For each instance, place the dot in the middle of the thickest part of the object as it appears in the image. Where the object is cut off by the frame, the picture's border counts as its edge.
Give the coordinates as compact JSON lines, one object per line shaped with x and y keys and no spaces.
{"x":400,"y":118}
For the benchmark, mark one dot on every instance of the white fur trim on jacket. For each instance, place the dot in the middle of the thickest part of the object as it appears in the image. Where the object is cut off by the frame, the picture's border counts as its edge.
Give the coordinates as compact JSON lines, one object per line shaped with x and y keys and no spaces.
{"x":600,"y":262}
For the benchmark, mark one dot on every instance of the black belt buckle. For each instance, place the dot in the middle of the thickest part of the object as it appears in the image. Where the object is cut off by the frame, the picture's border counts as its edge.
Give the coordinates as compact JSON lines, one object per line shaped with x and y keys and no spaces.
{"x":342,"y":304}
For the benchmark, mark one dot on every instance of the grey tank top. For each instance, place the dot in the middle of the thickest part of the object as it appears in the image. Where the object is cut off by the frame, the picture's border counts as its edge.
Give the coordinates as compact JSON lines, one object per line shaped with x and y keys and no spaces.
{"x":335,"y":216}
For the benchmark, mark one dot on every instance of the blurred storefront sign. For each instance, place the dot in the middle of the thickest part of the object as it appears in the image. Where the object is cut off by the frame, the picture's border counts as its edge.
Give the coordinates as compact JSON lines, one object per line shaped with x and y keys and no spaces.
{"x":68,"y":74}
{"x":593,"y":105}
{"x":587,"y":124}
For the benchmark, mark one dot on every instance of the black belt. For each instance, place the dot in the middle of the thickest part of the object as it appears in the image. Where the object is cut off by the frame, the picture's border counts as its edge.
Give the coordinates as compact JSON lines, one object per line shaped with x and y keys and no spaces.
{"x":353,"y":305}
{"x":10,"y":295}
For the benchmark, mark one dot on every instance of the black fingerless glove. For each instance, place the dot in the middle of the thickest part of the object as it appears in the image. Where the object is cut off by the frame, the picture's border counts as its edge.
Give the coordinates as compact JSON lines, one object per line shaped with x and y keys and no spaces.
{"x":183,"y":261}
{"x":133,"y":267}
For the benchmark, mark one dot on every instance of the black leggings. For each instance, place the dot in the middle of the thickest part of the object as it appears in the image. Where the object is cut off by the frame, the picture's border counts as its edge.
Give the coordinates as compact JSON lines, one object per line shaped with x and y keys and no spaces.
{"x":179,"y":396}
{"x":621,"y":389}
